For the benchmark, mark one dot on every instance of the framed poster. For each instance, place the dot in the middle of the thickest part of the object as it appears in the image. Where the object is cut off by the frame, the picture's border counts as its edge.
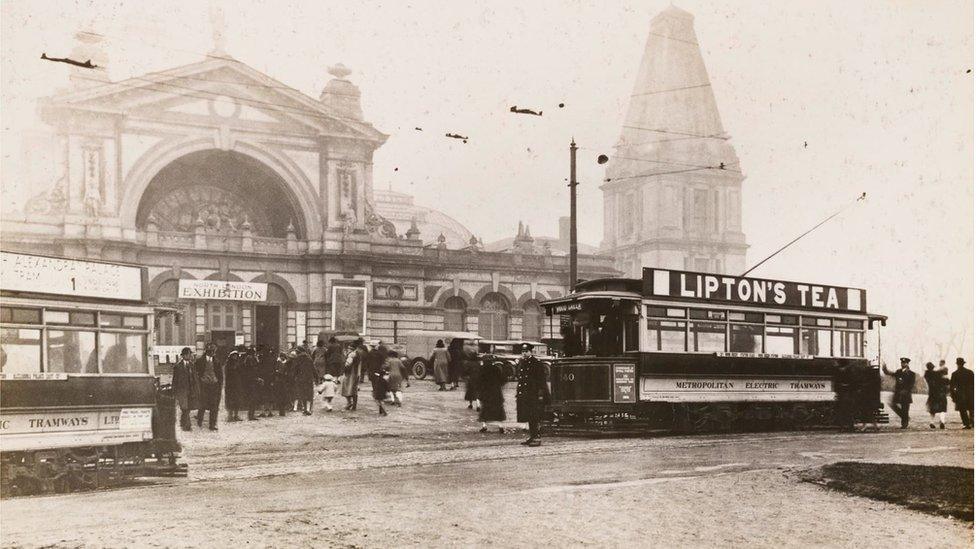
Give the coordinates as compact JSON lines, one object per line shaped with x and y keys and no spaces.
{"x":349,"y":309}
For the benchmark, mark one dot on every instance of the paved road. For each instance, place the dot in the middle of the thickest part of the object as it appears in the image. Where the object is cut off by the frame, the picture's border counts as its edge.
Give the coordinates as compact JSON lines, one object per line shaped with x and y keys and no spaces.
{"x":418,"y":479}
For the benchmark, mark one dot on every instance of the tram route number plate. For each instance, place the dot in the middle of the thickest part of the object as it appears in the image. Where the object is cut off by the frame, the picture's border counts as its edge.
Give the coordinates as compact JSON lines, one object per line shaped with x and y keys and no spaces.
{"x":624,"y":388}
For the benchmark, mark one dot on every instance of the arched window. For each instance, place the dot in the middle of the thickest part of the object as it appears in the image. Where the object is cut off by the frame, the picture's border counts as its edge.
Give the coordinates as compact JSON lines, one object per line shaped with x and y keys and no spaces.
{"x":454,"y":309}
{"x":531,"y":320}
{"x":493,"y":318}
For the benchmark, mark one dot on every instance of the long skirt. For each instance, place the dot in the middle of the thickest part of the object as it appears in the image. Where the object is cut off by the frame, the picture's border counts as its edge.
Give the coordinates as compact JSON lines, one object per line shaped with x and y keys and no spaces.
{"x":492,"y":404}
{"x":350,"y":384}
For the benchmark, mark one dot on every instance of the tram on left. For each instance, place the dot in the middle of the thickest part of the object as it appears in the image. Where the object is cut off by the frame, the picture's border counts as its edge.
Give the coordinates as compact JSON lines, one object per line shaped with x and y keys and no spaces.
{"x":80,"y":405}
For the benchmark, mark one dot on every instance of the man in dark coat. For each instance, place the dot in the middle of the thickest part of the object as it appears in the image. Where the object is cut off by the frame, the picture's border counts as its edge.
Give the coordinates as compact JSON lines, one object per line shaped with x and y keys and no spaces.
{"x":334,"y":358}
{"x":961,"y":389}
{"x":490,"y":380}
{"x":232,"y":390}
{"x":266,"y":369}
{"x":532,"y":394}
{"x":186,"y":387}
{"x":904,"y":383}
{"x":251,"y":383}
{"x":937,"y":380}
{"x":211,"y":375}
{"x":305,"y":377}
{"x":284,"y":382}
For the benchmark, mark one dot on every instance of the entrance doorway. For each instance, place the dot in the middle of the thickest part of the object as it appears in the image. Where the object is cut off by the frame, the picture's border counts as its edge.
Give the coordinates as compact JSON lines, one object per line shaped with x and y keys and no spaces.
{"x":267,"y":326}
{"x":224,"y":340}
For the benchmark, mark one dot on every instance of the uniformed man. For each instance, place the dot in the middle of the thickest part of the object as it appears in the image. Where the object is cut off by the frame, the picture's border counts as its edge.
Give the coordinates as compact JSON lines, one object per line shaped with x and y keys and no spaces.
{"x":532,"y":394}
{"x":904,"y":383}
{"x":961,"y":389}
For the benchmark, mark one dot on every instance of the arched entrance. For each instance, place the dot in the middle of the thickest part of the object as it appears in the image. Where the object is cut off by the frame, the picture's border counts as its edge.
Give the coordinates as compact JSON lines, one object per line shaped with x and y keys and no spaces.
{"x":223,"y":190}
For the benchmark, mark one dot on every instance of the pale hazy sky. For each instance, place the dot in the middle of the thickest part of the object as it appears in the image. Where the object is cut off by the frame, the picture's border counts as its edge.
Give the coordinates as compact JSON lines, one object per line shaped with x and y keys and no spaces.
{"x":878,"y":91}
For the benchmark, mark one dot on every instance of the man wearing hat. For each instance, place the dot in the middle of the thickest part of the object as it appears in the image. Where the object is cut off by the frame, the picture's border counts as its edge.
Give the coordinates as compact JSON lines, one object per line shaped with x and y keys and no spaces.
{"x":904,"y":383}
{"x":532,"y":393}
{"x":961,"y":389}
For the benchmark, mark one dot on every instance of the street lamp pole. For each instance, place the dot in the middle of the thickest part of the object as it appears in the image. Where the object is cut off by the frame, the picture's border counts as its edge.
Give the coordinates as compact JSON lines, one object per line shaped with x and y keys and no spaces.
{"x":572,"y":215}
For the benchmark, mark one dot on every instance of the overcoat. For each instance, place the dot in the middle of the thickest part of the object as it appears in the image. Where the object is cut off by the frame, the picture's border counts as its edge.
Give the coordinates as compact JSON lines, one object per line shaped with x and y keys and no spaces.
{"x":532,"y":393}
{"x":904,"y":383}
{"x":209,"y":392}
{"x":333,"y":359}
{"x":471,"y":370}
{"x":186,"y":386}
{"x":352,"y":370}
{"x":377,"y":378}
{"x":491,"y":379}
{"x":441,"y":360}
{"x":232,"y":389}
{"x":250,"y":381}
{"x":284,"y":380}
{"x":394,"y":366}
{"x":305,"y":377}
{"x":938,"y":387}
{"x":961,"y":387}
{"x":319,"y":354}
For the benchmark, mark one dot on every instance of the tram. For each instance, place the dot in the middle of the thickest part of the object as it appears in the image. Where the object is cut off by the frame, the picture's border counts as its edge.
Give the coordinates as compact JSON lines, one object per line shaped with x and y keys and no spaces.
{"x":685,"y":351}
{"x":80,"y":406}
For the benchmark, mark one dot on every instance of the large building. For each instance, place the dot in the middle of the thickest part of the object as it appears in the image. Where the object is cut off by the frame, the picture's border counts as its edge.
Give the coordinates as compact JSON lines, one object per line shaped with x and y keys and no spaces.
{"x":253,"y":207}
{"x":673,"y":190}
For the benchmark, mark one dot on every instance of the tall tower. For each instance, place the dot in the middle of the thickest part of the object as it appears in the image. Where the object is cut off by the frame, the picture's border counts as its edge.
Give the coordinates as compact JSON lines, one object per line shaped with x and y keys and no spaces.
{"x":673,"y":191}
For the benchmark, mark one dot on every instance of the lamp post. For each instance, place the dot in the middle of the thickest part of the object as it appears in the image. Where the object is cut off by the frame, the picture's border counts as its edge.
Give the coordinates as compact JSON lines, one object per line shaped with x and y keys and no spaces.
{"x":572,"y":215}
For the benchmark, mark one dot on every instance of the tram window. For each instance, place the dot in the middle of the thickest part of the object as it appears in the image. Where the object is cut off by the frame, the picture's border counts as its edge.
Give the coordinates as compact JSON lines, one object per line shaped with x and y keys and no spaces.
{"x":122,"y":353}
{"x":81,"y":319}
{"x":789,"y":320}
{"x":110,"y":320}
{"x":666,"y":335}
{"x":816,"y":321}
{"x":843,"y":323}
{"x":781,"y":340}
{"x":130,"y":321}
{"x":746,"y":338}
{"x":56,"y":317}
{"x":20,"y":316}
{"x":848,"y":343}
{"x":705,"y":314}
{"x":746,"y":317}
{"x":20,"y":351}
{"x":71,"y":352}
{"x":657,"y":311}
{"x":708,"y":336}
{"x":676,"y":313}
{"x":815,"y":342}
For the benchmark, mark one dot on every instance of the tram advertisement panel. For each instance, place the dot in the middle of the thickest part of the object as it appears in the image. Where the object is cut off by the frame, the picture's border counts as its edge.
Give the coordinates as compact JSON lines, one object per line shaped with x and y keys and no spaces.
{"x":623,"y":383}
{"x":751,"y":291}
{"x":19,"y":431}
{"x":735,"y":389}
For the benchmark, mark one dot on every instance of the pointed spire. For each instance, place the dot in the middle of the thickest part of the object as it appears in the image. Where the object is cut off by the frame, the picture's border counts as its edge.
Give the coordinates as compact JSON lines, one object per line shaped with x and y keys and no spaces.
{"x":521,"y":230}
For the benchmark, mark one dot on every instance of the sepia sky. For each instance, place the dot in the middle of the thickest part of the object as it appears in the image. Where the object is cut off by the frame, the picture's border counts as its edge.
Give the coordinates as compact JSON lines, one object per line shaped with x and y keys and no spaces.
{"x":823,"y":100}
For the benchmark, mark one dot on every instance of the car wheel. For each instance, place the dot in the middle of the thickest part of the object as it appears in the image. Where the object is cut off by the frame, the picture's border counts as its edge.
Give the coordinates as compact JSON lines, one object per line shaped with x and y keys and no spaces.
{"x":419,"y":368}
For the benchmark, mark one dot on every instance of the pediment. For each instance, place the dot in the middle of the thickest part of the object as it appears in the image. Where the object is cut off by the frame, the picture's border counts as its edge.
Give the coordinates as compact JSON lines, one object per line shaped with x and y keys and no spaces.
{"x":217,"y":92}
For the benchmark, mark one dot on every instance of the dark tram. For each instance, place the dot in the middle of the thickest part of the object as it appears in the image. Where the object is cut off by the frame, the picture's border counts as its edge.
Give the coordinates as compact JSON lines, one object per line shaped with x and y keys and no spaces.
{"x":80,"y":406}
{"x":693,"y":352}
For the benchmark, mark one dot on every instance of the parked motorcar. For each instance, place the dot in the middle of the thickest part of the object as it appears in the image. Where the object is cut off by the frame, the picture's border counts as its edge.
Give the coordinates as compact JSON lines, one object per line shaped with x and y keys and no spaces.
{"x":420,"y":344}
{"x":509,"y":351}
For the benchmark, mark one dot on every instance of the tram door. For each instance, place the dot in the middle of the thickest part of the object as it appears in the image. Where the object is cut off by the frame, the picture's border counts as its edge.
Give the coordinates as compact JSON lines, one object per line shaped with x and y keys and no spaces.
{"x":267,"y":329}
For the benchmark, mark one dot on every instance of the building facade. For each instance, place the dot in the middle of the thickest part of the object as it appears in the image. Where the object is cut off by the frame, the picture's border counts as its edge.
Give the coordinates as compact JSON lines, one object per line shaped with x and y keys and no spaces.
{"x":673,"y":189}
{"x":252,"y":205}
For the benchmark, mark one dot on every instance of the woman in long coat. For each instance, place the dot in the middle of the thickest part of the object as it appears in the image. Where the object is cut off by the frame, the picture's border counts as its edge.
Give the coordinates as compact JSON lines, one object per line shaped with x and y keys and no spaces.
{"x":351,"y":371}
{"x":395,"y":368}
{"x":305,"y":378}
{"x":232,"y":383}
{"x":378,"y":378}
{"x":938,"y":381}
{"x":441,"y":360}
{"x":284,"y":379}
{"x":469,"y":359}
{"x":491,"y":379}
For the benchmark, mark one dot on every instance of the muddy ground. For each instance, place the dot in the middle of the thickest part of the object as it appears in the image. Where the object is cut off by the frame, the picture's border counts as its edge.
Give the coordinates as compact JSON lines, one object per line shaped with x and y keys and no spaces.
{"x":424,"y":476}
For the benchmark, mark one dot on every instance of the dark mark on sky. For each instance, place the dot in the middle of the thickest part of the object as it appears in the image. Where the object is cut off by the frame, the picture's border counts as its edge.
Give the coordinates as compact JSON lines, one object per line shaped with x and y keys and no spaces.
{"x":804,"y":144}
{"x":561,"y":105}
{"x":515,"y":109}
{"x":85,"y":65}
{"x":419,"y":129}
{"x":602,"y":159}
{"x":463,"y":138}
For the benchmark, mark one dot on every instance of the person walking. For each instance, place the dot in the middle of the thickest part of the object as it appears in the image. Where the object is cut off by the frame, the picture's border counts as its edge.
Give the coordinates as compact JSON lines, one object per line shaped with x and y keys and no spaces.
{"x":319,"y":354}
{"x":938,"y":383}
{"x":491,"y":380}
{"x":901,"y":400}
{"x":532,"y":394}
{"x":454,"y":365}
{"x":354,"y":362}
{"x":378,"y":379}
{"x":211,"y":376}
{"x":250,"y":383}
{"x":232,"y":383}
{"x":186,"y":387}
{"x":305,"y":377}
{"x":376,"y":358}
{"x":961,"y":389}
{"x":395,"y":369}
{"x":472,"y":368}
{"x":333,"y":358}
{"x":441,"y":360}
{"x":327,"y":390}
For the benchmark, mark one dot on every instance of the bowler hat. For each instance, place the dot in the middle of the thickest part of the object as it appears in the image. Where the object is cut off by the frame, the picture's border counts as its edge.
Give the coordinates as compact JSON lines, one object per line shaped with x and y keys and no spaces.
{"x":960,"y":361}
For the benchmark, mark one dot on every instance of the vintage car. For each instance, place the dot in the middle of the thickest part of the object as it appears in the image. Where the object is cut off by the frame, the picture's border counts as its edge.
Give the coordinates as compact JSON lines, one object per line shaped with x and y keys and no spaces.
{"x":509,"y":351}
{"x":420,"y":344}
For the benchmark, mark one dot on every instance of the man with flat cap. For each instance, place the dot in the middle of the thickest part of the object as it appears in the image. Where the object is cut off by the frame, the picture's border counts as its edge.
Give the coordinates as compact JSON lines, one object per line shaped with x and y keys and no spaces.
{"x":532,"y":393}
{"x":904,"y":383}
{"x":961,"y":389}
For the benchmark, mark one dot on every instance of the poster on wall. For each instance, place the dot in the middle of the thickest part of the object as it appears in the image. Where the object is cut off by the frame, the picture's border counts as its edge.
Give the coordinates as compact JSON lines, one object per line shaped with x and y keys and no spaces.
{"x":349,"y":309}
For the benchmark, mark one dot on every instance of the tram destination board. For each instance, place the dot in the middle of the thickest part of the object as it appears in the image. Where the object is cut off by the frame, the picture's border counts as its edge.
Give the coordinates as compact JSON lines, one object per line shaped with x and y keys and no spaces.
{"x":687,"y":285}
{"x":73,"y":278}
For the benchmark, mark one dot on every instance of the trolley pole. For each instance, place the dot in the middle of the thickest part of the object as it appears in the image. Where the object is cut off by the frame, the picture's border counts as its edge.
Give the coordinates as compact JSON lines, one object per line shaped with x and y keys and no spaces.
{"x":572,"y":215}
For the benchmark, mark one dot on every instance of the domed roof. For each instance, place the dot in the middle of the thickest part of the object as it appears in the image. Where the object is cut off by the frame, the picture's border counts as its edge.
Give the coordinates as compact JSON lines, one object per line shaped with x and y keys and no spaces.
{"x":400,"y":210}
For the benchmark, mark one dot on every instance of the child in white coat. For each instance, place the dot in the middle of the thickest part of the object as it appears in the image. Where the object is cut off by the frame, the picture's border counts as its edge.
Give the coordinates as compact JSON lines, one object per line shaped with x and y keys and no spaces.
{"x":328,"y":390}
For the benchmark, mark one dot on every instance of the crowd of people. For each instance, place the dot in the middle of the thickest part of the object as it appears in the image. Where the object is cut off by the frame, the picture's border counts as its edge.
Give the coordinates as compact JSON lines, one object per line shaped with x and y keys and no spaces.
{"x":958,"y":386}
